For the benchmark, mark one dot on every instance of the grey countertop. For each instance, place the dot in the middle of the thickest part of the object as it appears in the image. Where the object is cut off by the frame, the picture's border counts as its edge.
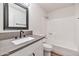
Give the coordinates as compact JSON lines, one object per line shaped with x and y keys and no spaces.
{"x":6,"y":46}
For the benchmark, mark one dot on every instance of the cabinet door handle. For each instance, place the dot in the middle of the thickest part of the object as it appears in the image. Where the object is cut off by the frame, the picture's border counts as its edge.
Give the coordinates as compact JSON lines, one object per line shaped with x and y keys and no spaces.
{"x":33,"y":54}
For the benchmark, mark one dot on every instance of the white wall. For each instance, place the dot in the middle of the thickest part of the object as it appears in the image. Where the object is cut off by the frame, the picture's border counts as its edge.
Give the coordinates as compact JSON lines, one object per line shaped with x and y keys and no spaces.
{"x":36,"y":19}
{"x":1,"y":17}
{"x":77,"y":24}
{"x":37,"y":22}
{"x":62,"y":24}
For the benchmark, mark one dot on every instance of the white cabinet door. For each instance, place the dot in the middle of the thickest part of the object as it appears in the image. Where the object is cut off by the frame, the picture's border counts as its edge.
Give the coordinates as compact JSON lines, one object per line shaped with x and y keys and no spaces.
{"x":38,"y":51}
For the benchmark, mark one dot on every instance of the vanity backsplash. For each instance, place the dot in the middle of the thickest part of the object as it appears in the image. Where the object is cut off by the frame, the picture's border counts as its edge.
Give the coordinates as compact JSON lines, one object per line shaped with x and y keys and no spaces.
{"x":9,"y":35}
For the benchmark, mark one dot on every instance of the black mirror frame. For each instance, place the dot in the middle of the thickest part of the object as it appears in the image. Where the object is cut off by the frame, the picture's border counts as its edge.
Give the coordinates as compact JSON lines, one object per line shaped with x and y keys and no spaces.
{"x":6,"y":18}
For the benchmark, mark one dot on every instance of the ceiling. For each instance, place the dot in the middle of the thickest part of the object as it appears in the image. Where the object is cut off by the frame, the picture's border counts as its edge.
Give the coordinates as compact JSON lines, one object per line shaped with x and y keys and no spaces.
{"x":48,"y":7}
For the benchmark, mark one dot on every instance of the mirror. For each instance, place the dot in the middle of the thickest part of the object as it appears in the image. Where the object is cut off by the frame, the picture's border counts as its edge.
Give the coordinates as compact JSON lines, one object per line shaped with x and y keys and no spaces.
{"x":15,"y":16}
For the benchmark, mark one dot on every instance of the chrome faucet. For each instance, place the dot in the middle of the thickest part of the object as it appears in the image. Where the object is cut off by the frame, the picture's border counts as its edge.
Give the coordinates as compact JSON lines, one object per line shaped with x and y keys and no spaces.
{"x":21,"y":33}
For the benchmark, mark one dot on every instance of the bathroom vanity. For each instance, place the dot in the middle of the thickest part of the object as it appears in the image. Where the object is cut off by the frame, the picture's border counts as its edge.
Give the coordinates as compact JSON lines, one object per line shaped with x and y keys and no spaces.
{"x":34,"y":49}
{"x":30,"y":48}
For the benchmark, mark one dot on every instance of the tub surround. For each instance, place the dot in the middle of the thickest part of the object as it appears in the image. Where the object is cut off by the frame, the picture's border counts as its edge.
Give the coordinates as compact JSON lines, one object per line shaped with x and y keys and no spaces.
{"x":64,"y":51}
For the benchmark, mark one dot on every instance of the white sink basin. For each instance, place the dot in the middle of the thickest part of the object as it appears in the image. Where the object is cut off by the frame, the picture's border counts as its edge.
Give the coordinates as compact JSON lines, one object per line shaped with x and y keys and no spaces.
{"x":22,"y":40}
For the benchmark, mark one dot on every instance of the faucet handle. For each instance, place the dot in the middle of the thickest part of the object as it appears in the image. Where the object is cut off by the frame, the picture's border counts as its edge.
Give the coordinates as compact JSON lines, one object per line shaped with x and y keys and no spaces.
{"x":16,"y":37}
{"x":24,"y":35}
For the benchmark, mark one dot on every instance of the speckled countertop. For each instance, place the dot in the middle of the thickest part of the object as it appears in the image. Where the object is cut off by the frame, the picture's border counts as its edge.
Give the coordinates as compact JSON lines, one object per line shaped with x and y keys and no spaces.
{"x":6,"y":46}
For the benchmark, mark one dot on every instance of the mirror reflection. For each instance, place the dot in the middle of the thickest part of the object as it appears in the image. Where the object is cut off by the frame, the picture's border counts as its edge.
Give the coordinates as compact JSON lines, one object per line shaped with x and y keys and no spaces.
{"x":16,"y":16}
